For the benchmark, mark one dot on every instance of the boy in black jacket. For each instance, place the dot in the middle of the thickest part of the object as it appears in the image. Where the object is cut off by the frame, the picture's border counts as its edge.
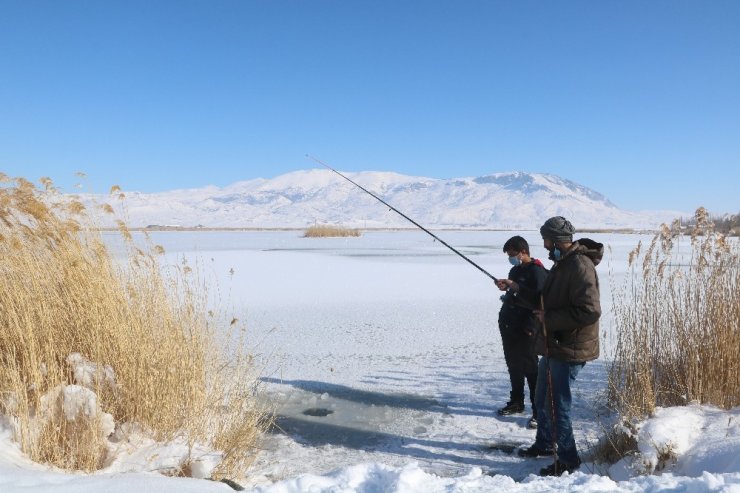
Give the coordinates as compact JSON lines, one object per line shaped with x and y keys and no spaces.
{"x":518,"y":326}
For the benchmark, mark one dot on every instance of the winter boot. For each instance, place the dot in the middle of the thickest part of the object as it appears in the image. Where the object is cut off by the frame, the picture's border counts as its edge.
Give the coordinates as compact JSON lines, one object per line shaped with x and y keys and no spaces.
{"x":514,"y":406}
{"x":558,"y":468}
{"x":533,"y":451}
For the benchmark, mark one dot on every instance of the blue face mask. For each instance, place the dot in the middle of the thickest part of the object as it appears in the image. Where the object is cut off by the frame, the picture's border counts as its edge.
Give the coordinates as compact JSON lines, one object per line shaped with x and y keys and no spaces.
{"x":515,"y":260}
{"x":556,"y":254}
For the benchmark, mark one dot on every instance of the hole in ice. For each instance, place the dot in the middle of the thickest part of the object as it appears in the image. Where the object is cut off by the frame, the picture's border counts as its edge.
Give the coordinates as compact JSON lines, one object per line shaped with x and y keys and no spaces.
{"x":318,"y":411}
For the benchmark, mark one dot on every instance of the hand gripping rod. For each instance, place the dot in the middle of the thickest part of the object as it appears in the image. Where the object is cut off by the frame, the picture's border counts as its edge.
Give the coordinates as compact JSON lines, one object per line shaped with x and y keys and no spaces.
{"x":404,"y":216}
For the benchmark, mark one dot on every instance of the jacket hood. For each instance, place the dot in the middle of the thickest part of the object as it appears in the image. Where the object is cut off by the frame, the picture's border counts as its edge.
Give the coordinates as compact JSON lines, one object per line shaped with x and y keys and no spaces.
{"x":590,"y":248}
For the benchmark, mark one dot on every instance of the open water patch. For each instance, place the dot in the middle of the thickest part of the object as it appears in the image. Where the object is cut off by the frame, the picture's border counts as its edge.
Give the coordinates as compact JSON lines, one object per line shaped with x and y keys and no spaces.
{"x":318,"y":412}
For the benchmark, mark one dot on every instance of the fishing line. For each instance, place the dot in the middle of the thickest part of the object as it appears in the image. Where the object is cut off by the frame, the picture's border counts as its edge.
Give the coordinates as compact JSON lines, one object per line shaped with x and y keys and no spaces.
{"x":404,"y":216}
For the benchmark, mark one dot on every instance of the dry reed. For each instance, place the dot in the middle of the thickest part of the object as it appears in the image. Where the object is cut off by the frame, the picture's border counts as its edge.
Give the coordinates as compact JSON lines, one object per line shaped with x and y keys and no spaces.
{"x":91,"y":342}
{"x":677,"y":323}
{"x":325,"y":230}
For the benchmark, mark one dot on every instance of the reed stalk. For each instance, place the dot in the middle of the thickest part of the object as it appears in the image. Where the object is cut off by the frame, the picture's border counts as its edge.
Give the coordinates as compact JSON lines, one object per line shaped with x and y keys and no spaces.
{"x":118,"y":336}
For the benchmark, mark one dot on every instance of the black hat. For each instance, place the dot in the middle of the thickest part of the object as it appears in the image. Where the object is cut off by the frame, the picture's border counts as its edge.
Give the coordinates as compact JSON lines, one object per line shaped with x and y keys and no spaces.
{"x":557,"y":229}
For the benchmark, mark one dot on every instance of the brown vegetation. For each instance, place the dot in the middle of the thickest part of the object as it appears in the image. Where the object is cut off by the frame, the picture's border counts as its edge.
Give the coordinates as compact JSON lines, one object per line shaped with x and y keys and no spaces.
{"x":677,"y":323}
{"x":325,"y":230}
{"x":727,"y":224}
{"x":614,"y":444}
{"x":90,"y":344}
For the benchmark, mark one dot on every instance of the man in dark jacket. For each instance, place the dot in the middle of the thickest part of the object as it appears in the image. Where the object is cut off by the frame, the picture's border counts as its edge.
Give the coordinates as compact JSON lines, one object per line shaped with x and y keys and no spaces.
{"x":570,"y":337}
{"x":518,"y":326}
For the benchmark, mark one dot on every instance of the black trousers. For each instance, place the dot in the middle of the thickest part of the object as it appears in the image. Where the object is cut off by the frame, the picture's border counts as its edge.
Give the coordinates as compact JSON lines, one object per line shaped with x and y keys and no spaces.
{"x":521,"y":361}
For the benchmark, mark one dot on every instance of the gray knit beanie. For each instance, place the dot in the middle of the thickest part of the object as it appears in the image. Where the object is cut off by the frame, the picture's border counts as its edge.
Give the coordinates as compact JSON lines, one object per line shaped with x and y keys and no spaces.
{"x":557,"y":229}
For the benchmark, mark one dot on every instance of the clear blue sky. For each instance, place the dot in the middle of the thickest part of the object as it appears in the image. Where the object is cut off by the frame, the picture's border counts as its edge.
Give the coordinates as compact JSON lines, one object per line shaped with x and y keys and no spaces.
{"x":639,"y":100}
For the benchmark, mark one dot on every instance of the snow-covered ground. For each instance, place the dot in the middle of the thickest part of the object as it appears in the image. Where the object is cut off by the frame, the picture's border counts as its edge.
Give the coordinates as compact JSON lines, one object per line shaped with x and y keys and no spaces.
{"x":382,"y":358}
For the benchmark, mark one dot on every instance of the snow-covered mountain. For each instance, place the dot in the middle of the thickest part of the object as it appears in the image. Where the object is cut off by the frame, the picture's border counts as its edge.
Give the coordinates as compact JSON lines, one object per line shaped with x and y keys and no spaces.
{"x":512,"y":200}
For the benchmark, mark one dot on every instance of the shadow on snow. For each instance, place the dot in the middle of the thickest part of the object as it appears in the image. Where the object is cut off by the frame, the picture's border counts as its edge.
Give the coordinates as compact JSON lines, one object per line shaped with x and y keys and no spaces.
{"x":370,"y":398}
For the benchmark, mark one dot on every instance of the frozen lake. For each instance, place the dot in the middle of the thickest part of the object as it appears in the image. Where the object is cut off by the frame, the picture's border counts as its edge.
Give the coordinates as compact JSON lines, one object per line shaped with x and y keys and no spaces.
{"x":391,"y":336}
{"x":408,"y":291}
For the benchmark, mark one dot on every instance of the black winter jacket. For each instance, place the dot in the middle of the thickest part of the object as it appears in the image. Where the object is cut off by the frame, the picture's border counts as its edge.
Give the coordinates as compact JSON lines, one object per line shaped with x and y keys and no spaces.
{"x":515,"y":316}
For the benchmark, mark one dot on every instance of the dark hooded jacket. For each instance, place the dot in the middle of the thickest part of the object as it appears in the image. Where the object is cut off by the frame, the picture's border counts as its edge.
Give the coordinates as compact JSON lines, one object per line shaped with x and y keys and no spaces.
{"x":515,"y":318}
{"x":572,"y":304}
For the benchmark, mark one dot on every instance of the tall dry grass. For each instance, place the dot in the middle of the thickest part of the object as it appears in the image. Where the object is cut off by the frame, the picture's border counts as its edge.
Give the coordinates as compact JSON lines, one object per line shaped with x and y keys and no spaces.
{"x":90,"y":343}
{"x":325,"y":231}
{"x":678,"y":323}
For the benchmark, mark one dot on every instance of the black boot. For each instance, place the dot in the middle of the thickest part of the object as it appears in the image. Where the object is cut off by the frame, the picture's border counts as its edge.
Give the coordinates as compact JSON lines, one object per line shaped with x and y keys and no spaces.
{"x":514,"y":406}
{"x":558,"y":468}
{"x":534,"y":451}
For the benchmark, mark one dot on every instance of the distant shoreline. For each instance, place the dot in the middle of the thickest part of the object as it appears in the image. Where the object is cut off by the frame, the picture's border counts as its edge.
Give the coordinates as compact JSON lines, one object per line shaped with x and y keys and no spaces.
{"x":258,"y":229}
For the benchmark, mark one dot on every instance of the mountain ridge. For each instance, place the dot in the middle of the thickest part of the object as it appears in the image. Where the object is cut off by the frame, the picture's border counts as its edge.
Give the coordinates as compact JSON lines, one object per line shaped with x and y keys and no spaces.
{"x":504,"y":200}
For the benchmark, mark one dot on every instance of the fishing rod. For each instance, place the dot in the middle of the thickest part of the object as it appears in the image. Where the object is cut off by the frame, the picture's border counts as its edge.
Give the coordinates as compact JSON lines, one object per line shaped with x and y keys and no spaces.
{"x":404,"y":216}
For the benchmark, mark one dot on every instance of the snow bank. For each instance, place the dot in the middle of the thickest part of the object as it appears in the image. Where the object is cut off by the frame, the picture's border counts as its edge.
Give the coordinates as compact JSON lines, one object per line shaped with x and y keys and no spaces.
{"x":412,"y":479}
{"x":129,"y":448}
{"x":688,"y":440}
